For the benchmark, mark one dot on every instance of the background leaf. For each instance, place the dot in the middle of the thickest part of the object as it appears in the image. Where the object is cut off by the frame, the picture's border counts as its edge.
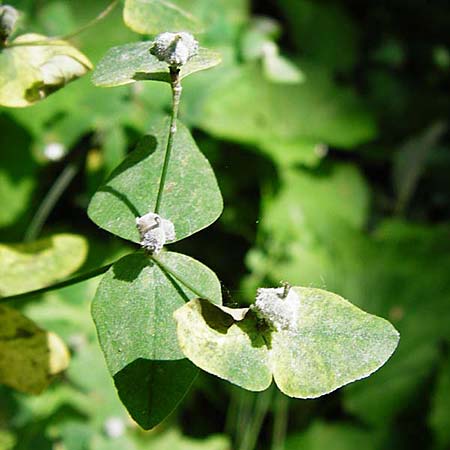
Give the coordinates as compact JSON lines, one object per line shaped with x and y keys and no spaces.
{"x":156,"y":16}
{"x":29,"y":356}
{"x":246,"y":107}
{"x":28,"y":73}
{"x":38,"y":264}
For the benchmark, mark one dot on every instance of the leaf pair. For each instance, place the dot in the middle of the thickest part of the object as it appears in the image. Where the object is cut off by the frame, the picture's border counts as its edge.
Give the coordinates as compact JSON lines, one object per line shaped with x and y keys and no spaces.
{"x":134,"y":305}
{"x":329,"y":343}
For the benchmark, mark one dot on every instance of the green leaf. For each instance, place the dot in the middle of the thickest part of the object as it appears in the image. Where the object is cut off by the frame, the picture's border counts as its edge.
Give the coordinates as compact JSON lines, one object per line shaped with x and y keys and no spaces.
{"x":410,"y":161}
{"x":17,"y":174}
{"x":156,"y":16}
{"x":37,"y":264}
{"x":133,"y":311}
{"x":246,"y":107}
{"x":31,"y":69}
{"x":318,"y":29}
{"x":314,"y":216}
{"x":29,"y":356}
{"x":132,"y":62}
{"x":173,"y":439}
{"x":338,"y":436}
{"x":439,"y":419}
{"x":328,"y":343}
{"x":399,"y":251}
{"x":191,"y":198}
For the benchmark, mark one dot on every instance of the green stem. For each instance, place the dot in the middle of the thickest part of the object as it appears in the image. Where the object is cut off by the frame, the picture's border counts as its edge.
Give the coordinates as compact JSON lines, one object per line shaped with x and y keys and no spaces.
{"x":66,"y":37}
{"x":243,"y":415}
{"x":175,"y":84}
{"x":74,"y":280}
{"x":232,"y":411}
{"x":179,"y":278}
{"x":254,"y":428}
{"x":280,"y":421}
{"x":49,"y":201}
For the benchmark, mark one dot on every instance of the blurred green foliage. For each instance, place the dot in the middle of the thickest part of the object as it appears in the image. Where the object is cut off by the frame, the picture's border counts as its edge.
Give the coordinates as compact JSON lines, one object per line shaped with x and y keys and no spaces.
{"x":338,"y":182}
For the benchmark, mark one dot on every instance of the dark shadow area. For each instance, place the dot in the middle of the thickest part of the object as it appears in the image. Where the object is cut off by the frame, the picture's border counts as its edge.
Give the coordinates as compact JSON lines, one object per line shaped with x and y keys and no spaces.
{"x":215,"y":318}
{"x":122,"y":197}
{"x":18,"y":167}
{"x":129,"y":267}
{"x":164,"y":382}
{"x":221,"y":322}
{"x":154,"y":76}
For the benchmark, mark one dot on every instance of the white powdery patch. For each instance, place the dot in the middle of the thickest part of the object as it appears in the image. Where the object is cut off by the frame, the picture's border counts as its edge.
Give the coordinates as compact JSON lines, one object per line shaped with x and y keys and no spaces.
{"x":276,"y":308}
{"x":175,"y":48}
{"x":155,"y":232}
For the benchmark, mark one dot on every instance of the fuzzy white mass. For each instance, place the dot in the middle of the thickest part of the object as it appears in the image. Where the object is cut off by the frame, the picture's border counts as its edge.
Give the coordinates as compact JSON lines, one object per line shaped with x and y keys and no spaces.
{"x":280,"y":313}
{"x":175,"y":48}
{"x":155,"y":232}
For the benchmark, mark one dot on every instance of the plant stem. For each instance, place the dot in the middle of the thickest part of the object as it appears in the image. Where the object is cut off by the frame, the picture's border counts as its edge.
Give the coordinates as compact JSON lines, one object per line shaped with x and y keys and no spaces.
{"x":65,"y":37}
{"x":74,"y":280}
{"x":91,"y":23}
{"x":254,"y":428}
{"x":59,"y":186}
{"x":175,"y":84}
{"x":280,"y":421}
{"x":167,"y":269}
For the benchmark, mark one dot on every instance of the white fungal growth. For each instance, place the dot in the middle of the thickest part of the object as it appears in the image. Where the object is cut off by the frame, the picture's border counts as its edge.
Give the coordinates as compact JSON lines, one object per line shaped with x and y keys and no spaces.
{"x":278,"y":307}
{"x":155,"y":232}
{"x":175,"y":48}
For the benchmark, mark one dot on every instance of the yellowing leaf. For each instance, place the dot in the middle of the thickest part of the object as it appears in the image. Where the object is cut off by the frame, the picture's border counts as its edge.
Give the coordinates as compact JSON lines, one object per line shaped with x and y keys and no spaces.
{"x":34,"y":265}
{"x":29,"y":356}
{"x":31,"y":69}
{"x":312,"y":342}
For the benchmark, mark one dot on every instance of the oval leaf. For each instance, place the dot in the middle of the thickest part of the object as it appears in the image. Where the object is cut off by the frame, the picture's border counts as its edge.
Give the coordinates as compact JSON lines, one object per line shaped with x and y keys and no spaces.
{"x":191,"y":198}
{"x":37,"y":264}
{"x":29,"y":356}
{"x":329,"y":344}
{"x":132,"y":62}
{"x":156,"y":16}
{"x":31,"y":69}
{"x":133,"y":312}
